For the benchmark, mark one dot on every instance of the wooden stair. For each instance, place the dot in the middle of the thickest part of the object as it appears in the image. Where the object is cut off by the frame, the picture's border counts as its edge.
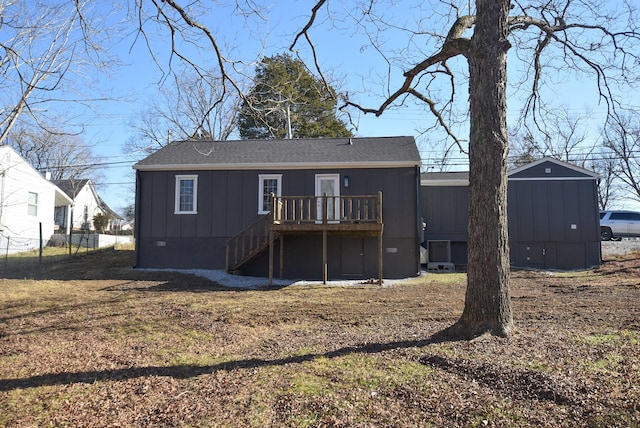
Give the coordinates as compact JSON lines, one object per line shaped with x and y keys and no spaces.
{"x":249,"y":243}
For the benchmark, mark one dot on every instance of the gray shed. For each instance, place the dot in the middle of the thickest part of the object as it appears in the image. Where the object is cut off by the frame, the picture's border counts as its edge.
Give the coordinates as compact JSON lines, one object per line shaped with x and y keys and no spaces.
{"x":552,"y":208}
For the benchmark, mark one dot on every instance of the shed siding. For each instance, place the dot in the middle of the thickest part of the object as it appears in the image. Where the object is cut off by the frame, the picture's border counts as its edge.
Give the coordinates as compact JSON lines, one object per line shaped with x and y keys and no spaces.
{"x":553,"y":218}
{"x":553,"y":224}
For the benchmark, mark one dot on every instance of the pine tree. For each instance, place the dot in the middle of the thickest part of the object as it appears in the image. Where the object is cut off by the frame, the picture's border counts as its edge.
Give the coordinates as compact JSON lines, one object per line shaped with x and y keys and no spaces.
{"x":287,"y":101}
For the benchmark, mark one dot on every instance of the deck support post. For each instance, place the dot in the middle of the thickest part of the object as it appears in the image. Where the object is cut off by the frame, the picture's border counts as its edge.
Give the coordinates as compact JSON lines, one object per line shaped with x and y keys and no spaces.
{"x":281,"y":256}
{"x":380,"y":258}
{"x":270,"y":257}
{"x":380,"y":238}
{"x":325,"y":272}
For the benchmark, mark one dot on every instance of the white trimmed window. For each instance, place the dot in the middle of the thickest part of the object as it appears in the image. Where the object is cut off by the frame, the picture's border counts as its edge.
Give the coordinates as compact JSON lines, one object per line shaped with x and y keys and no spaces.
{"x":268,"y":184}
{"x":186,"y":194}
{"x":32,"y":204}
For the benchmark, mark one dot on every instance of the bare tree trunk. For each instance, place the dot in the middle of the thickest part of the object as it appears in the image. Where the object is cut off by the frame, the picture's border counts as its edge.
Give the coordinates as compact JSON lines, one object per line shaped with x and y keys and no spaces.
{"x":487,"y":305}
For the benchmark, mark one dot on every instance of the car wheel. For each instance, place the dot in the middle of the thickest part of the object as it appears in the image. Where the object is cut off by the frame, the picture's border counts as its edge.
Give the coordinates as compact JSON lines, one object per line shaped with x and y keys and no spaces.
{"x":606,"y":234}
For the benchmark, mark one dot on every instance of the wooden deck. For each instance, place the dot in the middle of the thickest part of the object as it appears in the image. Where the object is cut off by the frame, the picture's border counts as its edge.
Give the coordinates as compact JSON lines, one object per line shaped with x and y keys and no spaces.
{"x":348,"y":215}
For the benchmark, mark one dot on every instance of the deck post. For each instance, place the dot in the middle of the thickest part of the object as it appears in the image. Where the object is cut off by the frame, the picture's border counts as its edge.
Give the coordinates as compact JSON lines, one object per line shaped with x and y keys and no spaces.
{"x":380,"y":239}
{"x":380,"y":258}
{"x":270,"y":257}
{"x":325,"y":272}
{"x":281,"y":256}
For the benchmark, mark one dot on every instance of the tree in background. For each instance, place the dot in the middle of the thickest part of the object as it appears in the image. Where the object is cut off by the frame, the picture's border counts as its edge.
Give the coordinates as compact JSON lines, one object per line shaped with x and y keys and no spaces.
{"x":609,"y":189}
{"x":46,"y":48}
{"x":287,"y":101}
{"x":622,"y":138}
{"x":101,"y":222}
{"x":193,"y":106}
{"x":561,"y":137}
{"x":63,"y":155}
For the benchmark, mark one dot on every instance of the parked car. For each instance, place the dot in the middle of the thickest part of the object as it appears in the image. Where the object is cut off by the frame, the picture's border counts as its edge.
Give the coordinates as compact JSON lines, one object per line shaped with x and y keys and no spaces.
{"x":616,"y":224}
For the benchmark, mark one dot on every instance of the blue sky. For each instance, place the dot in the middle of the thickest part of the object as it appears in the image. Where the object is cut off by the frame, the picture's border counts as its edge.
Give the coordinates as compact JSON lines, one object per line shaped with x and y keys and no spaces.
{"x":342,"y":51}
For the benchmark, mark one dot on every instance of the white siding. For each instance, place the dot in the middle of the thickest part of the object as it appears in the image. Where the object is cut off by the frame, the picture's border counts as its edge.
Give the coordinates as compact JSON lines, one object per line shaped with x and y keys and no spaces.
{"x":20,"y":231}
{"x":85,"y":201}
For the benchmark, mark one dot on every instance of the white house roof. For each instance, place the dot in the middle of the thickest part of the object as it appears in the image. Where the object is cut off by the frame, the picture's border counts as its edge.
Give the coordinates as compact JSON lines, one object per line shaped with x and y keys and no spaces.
{"x":61,"y":197}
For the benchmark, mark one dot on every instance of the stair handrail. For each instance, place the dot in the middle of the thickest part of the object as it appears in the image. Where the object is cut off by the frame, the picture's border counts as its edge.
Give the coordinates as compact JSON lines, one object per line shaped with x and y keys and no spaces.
{"x":261,"y":225}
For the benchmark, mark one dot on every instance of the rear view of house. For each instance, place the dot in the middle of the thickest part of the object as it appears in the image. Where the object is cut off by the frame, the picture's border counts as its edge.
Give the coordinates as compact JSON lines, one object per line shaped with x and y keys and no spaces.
{"x":336,"y":208}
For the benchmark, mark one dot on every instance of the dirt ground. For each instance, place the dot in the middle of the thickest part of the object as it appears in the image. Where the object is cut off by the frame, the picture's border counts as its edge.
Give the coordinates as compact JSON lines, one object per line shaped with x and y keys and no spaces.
{"x":90,"y":342}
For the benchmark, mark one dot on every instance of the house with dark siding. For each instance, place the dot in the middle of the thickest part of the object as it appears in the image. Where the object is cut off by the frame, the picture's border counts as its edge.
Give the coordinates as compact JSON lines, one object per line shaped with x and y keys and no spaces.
{"x":553,"y":214}
{"x":335,"y":208}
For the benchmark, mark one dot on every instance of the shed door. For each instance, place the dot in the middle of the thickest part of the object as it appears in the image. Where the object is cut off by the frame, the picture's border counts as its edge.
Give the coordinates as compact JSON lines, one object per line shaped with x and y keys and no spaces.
{"x":329,"y":185}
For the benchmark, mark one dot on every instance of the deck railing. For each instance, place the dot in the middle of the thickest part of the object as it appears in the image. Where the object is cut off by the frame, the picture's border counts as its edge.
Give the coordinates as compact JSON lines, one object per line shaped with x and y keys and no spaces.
{"x":327,"y":209}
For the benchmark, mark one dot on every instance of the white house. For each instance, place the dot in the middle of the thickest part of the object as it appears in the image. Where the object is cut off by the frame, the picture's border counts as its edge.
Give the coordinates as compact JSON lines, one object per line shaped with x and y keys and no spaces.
{"x":27,"y":202}
{"x":86,"y":204}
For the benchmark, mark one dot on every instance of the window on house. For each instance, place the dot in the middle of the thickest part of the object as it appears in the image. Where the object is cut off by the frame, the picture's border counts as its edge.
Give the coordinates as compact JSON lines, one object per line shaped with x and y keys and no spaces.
{"x":32,"y":204}
{"x":268,"y":184}
{"x":186,"y":194}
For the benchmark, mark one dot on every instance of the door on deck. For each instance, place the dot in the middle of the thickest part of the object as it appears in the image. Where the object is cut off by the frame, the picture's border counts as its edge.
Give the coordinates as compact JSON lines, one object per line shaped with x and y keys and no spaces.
{"x":329,"y":185}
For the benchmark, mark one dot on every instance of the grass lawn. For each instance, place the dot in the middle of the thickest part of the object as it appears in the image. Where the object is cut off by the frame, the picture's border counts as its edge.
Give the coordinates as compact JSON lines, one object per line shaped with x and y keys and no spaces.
{"x":88,"y":341}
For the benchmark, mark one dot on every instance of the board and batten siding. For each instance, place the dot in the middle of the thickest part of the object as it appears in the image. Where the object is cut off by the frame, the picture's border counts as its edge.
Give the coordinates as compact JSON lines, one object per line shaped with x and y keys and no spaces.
{"x":227,"y":201}
{"x":553,"y":215}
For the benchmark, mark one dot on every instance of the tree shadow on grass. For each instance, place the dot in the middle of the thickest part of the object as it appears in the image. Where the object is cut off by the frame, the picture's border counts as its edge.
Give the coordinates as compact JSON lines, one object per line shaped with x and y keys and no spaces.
{"x":519,"y":383}
{"x":190,"y":371}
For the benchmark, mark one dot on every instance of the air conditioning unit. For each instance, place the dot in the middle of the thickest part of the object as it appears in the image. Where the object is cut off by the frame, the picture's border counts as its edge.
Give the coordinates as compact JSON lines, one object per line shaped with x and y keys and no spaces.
{"x":439,"y":251}
{"x":439,"y":256}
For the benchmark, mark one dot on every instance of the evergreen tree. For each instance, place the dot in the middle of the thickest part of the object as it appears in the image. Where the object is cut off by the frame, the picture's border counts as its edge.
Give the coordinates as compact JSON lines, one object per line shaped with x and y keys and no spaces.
{"x":287,"y":101}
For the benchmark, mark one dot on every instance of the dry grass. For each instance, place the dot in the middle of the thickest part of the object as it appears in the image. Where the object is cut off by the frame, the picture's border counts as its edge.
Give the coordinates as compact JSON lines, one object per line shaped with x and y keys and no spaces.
{"x":87,"y":341}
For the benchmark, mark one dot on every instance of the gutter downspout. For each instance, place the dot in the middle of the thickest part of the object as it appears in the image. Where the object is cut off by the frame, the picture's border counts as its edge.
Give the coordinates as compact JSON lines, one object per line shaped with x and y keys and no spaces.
{"x":136,"y":219}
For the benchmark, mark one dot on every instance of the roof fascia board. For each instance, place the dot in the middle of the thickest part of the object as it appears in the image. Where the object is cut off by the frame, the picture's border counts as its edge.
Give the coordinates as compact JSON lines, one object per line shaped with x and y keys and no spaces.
{"x":445,"y":182}
{"x":552,"y":178}
{"x":275,"y":166}
{"x":460,"y":182}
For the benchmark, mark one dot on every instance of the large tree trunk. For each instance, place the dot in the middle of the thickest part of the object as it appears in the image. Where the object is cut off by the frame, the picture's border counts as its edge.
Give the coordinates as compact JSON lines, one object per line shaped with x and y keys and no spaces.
{"x":487,"y":306}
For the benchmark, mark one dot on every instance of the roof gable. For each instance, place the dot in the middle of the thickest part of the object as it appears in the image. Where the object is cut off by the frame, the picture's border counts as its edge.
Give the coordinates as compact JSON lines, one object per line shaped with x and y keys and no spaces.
{"x":285,"y":154}
{"x":11,"y":157}
{"x":73,"y":188}
{"x":551,"y":169}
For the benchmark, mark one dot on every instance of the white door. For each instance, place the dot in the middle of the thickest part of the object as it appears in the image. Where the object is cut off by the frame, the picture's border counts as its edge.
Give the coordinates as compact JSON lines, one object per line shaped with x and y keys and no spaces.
{"x":329,"y":185}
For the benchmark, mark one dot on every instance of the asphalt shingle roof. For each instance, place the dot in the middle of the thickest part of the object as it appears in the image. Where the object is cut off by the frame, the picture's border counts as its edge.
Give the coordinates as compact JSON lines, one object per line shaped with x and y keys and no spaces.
{"x":71,"y":187}
{"x":373,"y":151}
